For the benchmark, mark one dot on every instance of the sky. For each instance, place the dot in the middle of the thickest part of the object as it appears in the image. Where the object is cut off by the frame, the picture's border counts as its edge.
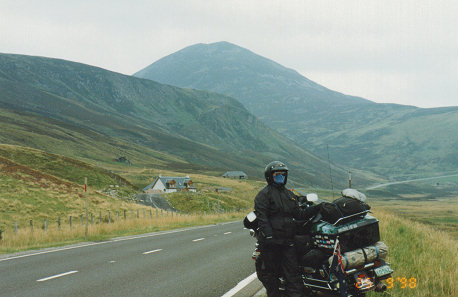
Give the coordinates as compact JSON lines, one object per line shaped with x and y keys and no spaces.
{"x":387,"y":51}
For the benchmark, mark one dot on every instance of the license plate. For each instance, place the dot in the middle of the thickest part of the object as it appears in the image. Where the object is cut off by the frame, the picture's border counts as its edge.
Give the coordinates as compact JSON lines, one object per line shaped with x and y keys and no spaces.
{"x":383,"y":270}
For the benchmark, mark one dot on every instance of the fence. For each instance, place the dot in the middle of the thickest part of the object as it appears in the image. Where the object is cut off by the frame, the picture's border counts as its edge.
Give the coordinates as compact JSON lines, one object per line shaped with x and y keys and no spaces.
{"x":100,"y":218}
{"x":146,"y":216}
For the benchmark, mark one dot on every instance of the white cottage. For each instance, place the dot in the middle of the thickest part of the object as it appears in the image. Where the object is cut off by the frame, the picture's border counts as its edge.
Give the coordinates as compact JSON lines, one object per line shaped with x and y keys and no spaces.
{"x":170,"y":184}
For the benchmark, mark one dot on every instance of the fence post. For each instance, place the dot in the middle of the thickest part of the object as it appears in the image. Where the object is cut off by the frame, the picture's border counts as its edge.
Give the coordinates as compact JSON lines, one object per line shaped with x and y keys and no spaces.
{"x":144,"y":213}
{"x":124,"y":214}
{"x":150,"y":213}
{"x":138,"y":215}
{"x":117,"y":216}
{"x":157,"y":212}
{"x":70,"y":222}
{"x":109,"y":217}
{"x":58,"y":223}
{"x":92,"y":218}
{"x":131,"y":214}
{"x":46,"y":225}
{"x":162,"y":213}
{"x":15,"y":228}
{"x":31,"y":225}
{"x":85,"y":206}
{"x":82,"y":220}
{"x":100,"y":217}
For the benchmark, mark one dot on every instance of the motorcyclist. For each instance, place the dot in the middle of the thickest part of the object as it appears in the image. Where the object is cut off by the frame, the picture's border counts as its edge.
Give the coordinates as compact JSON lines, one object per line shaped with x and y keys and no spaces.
{"x":277,"y":209}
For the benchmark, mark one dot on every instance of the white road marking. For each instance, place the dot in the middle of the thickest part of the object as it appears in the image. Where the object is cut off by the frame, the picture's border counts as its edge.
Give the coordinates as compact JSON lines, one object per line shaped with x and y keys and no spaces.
{"x":198,"y":239}
{"x":112,"y":261}
{"x":153,"y":251}
{"x":56,"y":276}
{"x":240,"y":285}
{"x":227,"y":233}
{"x":112,"y":241}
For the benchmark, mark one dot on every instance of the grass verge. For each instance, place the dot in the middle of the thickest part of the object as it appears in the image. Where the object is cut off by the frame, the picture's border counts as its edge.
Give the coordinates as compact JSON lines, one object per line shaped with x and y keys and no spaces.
{"x":421,"y":252}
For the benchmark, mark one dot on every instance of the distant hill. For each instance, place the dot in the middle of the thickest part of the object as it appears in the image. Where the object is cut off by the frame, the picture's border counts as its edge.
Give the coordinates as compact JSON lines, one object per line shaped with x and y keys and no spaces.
{"x":196,"y":127}
{"x":388,"y":139}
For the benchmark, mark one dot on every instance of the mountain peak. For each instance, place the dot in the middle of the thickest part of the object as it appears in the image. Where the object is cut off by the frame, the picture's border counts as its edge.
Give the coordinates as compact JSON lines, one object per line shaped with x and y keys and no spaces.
{"x":220,"y":45}
{"x":227,"y":68}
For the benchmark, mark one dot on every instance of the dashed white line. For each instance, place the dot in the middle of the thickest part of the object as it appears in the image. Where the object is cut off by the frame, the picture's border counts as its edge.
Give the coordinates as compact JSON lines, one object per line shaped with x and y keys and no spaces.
{"x":153,"y":251}
{"x":56,"y":276}
{"x":227,"y":233}
{"x":8,"y":258}
{"x":198,"y":239}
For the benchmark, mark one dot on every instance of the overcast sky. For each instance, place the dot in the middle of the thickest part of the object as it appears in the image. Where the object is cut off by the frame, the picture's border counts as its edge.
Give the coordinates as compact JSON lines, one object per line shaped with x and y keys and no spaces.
{"x":400,"y":51}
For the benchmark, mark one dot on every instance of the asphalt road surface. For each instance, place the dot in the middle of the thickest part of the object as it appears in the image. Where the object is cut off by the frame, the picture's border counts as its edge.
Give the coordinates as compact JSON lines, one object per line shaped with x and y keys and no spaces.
{"x":202,"y":261}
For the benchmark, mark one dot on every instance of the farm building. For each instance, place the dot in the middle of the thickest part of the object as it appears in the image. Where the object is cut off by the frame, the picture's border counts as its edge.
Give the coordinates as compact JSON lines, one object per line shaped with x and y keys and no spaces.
{"x":170,"y":184}
{"x":235,"y":174}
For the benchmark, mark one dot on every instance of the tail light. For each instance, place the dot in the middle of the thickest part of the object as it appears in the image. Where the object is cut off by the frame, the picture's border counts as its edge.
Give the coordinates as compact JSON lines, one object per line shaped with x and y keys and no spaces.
{"x":363,"y":282}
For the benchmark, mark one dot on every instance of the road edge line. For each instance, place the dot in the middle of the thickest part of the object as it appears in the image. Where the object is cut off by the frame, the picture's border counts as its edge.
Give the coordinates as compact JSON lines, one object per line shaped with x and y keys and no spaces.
{"x":240,"y":285}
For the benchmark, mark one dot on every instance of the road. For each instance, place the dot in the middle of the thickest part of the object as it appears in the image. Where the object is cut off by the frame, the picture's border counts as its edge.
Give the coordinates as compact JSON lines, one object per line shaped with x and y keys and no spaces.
{"x":408,"y":181}
{"x":201,"y":261}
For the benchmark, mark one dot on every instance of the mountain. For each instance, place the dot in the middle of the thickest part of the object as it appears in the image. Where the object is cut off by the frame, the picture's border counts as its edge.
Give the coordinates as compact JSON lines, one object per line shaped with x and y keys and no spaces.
{"x":388,"y":139}
{"x":197,"y":127}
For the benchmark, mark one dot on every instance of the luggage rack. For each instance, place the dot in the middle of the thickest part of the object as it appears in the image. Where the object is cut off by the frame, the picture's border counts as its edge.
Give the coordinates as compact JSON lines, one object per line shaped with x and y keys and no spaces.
{"x":350,"y":216}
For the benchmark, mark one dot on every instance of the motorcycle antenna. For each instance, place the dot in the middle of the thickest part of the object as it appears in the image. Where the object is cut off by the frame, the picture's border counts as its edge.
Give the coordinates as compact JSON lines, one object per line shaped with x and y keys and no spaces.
{"x":330,"y":172}
{"x":349,"y":179}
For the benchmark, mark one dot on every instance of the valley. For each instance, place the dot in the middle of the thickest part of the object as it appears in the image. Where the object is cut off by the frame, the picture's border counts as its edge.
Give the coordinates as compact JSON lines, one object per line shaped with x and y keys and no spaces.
{"x":62,"y":122}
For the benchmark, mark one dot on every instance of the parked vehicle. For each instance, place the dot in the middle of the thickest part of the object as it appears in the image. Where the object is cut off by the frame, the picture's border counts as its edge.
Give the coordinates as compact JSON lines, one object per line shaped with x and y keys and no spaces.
{"x":343,"y":256}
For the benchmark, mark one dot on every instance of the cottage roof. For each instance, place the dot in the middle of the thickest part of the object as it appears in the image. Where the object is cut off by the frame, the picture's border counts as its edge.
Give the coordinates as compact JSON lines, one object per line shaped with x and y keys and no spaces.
{"x":234,"y":173}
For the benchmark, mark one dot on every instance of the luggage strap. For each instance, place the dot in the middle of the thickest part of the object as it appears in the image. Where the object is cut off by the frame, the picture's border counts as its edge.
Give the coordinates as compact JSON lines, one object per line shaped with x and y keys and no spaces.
{"x":338,"y":209}
{"x":365,"y":256}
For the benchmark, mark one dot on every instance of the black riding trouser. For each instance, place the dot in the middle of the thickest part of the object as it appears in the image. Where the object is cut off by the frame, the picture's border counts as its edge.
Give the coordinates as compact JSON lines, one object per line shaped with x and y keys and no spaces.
{"x":279,"y":260}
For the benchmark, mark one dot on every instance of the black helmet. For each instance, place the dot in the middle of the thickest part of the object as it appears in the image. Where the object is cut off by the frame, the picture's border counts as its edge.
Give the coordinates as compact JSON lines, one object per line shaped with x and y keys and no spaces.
{"x":272,"y":167}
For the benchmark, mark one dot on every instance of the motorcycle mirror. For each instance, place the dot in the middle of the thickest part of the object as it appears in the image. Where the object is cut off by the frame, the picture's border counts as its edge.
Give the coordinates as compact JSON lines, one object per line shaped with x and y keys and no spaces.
{"x":251,"y":216}
{"x":312,"y":197}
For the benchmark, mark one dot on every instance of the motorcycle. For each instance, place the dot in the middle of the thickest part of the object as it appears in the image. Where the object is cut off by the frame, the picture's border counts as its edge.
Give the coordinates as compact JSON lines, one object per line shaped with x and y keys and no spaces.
{"x":339,"y":256}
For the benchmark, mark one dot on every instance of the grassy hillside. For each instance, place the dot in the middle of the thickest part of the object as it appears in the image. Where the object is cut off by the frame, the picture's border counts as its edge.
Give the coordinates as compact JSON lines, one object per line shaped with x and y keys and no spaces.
{"x":54,"y":136}
{"x":35,"y":185}
{"x":63,"y":167}
{"x":199,"y":127}
{"x":27,"y":194}
{"x":387,"y":139}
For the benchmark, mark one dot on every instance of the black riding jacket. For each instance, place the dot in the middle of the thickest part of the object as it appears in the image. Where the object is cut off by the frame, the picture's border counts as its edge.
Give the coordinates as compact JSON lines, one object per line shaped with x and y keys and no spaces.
{"x":277,"y":209}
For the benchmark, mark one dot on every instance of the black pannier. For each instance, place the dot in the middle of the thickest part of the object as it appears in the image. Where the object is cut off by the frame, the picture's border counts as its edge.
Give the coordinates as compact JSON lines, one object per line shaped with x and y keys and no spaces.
{"x":342,"y":207}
